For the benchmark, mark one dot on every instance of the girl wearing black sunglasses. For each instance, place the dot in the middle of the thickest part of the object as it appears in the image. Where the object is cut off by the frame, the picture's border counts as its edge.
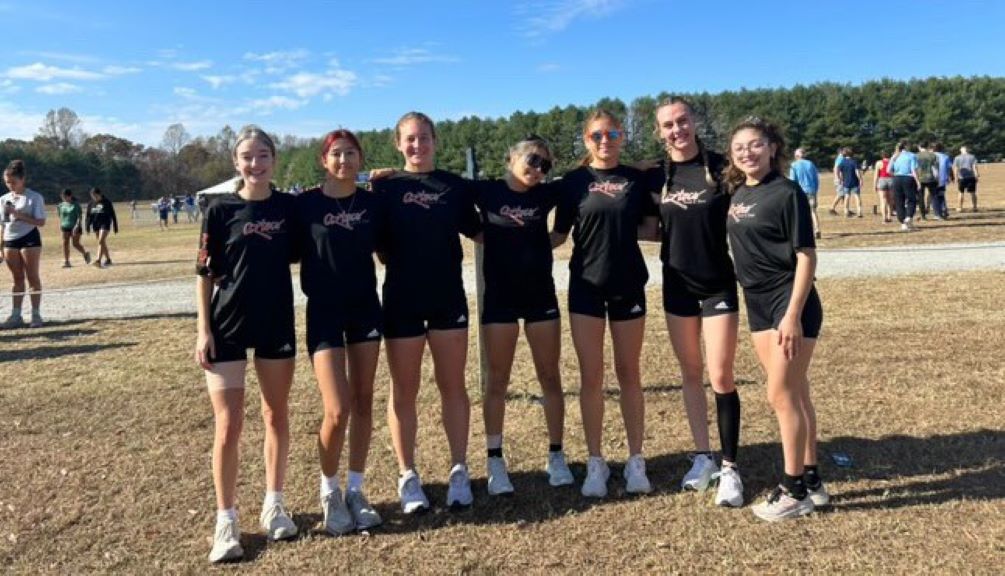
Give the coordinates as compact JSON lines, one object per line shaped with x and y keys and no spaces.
{"x":519,"y":284}
{"x":607,"y":207}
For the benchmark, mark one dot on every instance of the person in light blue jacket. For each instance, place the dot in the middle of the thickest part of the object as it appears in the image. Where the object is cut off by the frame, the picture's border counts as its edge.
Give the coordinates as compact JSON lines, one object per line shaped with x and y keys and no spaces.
{"x":804,"y":173}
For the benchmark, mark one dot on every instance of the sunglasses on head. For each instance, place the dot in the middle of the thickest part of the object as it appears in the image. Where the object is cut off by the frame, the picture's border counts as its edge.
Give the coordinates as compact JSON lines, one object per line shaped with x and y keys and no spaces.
{"x":538,"y":162}
{"x":598,"y":135}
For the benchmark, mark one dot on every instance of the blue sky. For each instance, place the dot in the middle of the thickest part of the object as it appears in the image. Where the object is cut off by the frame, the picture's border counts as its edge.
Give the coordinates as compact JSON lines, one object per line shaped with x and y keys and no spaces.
{"x":302,"y":68}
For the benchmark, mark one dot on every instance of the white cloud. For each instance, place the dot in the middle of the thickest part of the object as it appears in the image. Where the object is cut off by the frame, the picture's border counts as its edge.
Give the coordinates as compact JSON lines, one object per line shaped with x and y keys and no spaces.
{"x":191,"y":66}
{"x":548,"y":67}
{"x":542,"y":18}
{"x":9,"y":87}
{"x":64,"y":56}
{"x":267,"y":105}
{"x":279,"y":61}
{"x":217,"y":81}
{"x":18,"y":123}
{"x":307,"y":84}
{"x":58,"y":88}
{"x":43,"y":73}
{"x":120,"y":70}
{"x":412,"y":56}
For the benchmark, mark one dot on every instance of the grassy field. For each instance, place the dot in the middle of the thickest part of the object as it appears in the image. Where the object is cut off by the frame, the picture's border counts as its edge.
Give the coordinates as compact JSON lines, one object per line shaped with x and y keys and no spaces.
{"x":106,"y":431}
{"x":143,"y":252}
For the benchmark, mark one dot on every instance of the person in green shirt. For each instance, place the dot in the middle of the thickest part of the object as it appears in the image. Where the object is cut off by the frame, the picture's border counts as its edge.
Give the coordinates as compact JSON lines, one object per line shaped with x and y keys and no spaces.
{"x":70,"y":224}
{"x":928,"y":178}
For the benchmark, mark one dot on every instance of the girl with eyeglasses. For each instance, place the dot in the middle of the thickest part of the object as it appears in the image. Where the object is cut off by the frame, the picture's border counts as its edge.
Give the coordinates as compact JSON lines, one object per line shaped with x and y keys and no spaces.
{"x":244,"y":297}
{"x":338,"y":223}
{"x":607,"y":206}
{"x":699,"y":292}
{"x":424,"y":302}
{"x":519,"y":285}
{"x":771,"y":233}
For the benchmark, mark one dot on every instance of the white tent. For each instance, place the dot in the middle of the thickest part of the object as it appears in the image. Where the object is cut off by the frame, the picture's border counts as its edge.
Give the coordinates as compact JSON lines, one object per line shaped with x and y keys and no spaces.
{"x":224,"y":187}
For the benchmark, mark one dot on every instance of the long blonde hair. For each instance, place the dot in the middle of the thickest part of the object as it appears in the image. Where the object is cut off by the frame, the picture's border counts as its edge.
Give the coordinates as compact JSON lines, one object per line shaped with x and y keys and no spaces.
{"x":710,"y":178}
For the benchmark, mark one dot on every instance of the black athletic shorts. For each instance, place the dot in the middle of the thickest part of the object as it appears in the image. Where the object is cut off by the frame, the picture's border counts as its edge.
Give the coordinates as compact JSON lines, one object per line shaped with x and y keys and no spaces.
{"x":765,"y":310}
{"x":616,"y":305}
{"x":502,"y":306}
{"x":680,"y":300}
{"x":30,"y":240}
{"x":272,"y":347}
{"x":968,"y":185}
{"x":408,"y":315}
{"x":331,"y":327}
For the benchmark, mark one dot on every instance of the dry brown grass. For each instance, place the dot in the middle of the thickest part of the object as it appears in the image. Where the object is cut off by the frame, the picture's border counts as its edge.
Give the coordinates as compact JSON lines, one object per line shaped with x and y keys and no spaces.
{"x":105,"y":437}
{"x":142,"y":252}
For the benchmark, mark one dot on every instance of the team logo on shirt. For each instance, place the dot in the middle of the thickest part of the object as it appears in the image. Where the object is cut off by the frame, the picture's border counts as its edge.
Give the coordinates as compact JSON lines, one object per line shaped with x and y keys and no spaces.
{"x":682,"y":198}
{"x":263,"y":228}
{"x":518,"y":214}
{"x":424,"y":199}
{"x":608,"y":188}
{"x":344,"y":219}
{"x":741,"y":211}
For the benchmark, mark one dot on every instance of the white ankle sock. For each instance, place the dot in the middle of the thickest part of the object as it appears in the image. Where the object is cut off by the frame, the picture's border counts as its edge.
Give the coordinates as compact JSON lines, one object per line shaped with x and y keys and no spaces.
{"x":272,"y":498}
{"x":494,"y":441}
{"x":329,"y":484}
{"x":224,"y":516}
{"x":355,"y":482}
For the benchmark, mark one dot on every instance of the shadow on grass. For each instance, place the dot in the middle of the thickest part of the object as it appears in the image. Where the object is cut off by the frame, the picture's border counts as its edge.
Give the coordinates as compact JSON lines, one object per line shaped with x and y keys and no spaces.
{"x":517,"y":394}
{"x":973,"y":459}
{"x":49,"y":352}
{"x":150,"y":262}
{"x":43,"y":333}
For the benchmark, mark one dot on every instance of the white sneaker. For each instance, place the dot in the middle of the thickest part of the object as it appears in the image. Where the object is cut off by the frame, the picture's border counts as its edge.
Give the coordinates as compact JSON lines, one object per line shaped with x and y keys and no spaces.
{"x":730,"y":492}
{"x":276,"y":522}
{"x":499,"y":483}
{"x":820,"y":497}
{"x":363,"y":514}
{"x":597,"y":474}
{"x":226,"y":543}
{"x":782,"y":506}
{"x":459,"y":487}
{"x":337,"y":520}
{"x":636,"y":481}
{"x":413,"y":499}
{"x":558,"y":470}
{"x":700,"y":474}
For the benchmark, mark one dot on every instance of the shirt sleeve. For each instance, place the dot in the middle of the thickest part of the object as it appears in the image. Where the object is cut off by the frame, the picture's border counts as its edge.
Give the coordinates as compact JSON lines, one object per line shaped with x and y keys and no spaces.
{"x":567,"y":208}
{"x":38,"y":207}
{"x":470,"y":222}
{"x":800,"y":221}
{"x":210,"y":257}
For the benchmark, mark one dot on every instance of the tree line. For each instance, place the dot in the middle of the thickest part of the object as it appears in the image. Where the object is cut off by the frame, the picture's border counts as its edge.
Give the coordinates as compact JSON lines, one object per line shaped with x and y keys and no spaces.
{"x":820,"y":118}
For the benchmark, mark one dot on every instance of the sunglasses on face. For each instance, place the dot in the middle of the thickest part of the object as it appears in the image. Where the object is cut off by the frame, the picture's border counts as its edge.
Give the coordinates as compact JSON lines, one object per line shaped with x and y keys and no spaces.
{"x":538,"y":162}
{"x":598,"y":135}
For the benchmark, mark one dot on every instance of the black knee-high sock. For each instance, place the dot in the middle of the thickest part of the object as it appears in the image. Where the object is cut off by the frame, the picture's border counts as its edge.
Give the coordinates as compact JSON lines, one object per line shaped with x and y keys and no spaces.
{"x":727,"y":408}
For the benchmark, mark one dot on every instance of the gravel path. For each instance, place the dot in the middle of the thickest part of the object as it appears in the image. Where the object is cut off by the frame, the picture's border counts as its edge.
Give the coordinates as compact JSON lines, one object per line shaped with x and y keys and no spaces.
{"x":177,"y":296}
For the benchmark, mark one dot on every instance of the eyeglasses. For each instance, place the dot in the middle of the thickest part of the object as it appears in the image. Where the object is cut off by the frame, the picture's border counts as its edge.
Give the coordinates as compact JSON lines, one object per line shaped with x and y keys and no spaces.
{"x":598,"y":135}
{"x":755,"y":145}
{"x":538,"y":162}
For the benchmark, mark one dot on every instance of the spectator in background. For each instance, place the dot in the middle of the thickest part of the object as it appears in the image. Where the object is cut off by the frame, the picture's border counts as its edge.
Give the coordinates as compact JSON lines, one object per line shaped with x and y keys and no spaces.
{"x":882,"y":183}
{"x":190,"y":208}
{"x":944,"y":164}
{"x":805,"y":173}
{"x":928,"y":179}
{"x":71,"y":225}
{"x":133,"y":213}
{"x":849,"y":176}
{"x":175,"y":208}
{"x":163,"y":207}
{"x":967,"y":174}
{"x":838,"y":195}
{"x":905,"y":184}
{"x":101,"y":219}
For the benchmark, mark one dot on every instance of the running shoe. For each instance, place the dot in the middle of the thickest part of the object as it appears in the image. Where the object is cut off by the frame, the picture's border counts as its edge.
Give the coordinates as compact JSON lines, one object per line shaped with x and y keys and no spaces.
{"x":558,"y":470}
{"x":819,"y":495}
{"x":499,"y":483}
{"x":363,"y":514}
{"x":276,"y":522}
{"x":597,"y":474}
{"x":66,"y":264}
{"x":413,"y":499}
{"x":226,"y":543}
{"x":87,"y":257}
{"x":36,"y":320}
{"x":97,"y":264}
{"x":337,"y":519}
{"x":636,"y":481}
{"x":12,"y":322}
{"x":730,"y":491}
{"x":700,"y":474}
{"x":108,"y":262}
{"x":459,"y":487}
{"x":781,"y":506}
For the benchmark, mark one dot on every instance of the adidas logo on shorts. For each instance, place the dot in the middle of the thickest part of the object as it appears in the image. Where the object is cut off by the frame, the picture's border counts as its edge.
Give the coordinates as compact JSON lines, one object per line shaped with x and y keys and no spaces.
{"x":722,"y":305}
{"x":462,"y":318}
{"x":636,"y":308}
{"x":286,"y":348}
{"x":552,"y":311}
{"x":373,"y":333}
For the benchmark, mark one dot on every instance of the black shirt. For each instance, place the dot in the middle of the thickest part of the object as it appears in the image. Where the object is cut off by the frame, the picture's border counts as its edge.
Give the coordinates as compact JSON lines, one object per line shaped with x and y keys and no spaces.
{"x":338,"y":237}
{"x":101,"y":215}
{"x":247,"y":246}
{"x":517,"y":245}
{"x":606,"y":208}
{"x":425,"y":212}
{"x":767,"y":224}
{"x":693,"y":212}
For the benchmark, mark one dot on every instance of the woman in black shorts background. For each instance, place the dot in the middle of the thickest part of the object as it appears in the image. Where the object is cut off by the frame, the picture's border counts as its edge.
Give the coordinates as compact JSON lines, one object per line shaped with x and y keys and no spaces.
{"x":424,"y":301}
{"x":338,"y":225}
{"x":604,"y":203}
{"x":771,"y":233}
{"x":101,"y":219}
{"x":519,"y":285}
{"x":245,"y":250}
